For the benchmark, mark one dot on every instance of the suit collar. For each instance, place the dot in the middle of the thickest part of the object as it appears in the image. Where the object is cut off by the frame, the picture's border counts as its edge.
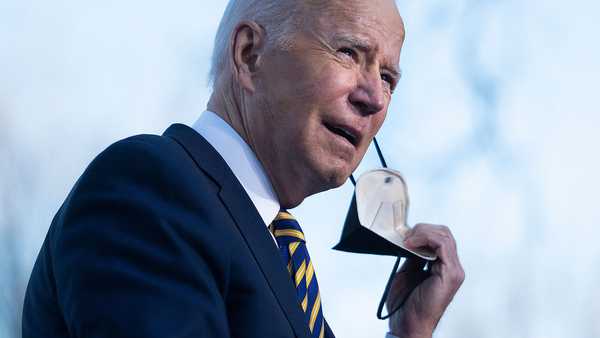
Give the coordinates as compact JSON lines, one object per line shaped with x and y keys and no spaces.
{"x":248,"y":221}
{"x":203,"y":154}
{"x":242,"y":161}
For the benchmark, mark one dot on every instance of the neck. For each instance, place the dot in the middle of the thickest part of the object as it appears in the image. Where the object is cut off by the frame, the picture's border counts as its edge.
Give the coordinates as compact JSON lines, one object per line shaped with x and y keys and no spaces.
{"x":228,"y":104}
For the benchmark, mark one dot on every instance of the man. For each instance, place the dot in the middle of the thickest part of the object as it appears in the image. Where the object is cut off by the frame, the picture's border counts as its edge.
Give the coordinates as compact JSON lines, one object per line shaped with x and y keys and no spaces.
{"x":166,"y":236}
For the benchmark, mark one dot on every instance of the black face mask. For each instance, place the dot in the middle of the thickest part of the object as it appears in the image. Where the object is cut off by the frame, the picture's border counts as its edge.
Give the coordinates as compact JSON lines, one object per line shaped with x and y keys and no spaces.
{"x":376,"y":222}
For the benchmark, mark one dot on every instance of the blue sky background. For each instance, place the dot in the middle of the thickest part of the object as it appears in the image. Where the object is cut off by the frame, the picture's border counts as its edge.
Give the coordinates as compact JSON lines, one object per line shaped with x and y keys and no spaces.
{"x":495,"y":126}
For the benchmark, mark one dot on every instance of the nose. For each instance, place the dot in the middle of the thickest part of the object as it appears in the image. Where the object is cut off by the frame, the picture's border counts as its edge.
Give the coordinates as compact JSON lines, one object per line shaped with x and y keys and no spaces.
{"x":368,"y":96}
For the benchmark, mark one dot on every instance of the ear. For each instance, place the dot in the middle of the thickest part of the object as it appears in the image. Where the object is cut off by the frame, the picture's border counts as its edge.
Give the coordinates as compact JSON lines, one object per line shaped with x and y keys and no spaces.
{"x":247,"y":48}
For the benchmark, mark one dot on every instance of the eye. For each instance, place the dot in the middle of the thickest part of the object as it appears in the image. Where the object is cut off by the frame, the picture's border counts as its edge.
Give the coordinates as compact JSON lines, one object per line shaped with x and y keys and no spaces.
{"x":348,"y":52}
{"x":389,"y":80}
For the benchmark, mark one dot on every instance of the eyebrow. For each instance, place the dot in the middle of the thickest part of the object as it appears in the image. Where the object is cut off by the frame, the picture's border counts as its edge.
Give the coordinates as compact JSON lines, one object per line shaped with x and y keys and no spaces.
{"x":396,"y":71}
{"x":367,"y":47}
{"x":356,"y":42}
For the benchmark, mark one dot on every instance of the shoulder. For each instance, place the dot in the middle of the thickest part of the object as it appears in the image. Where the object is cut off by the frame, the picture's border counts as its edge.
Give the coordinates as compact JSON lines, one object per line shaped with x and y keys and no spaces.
{"x":144,"y":189}
{"x":151,"y":162}
{"x":144,"y":177}
{"x":141,"y":154}
{"x":142,"y":224}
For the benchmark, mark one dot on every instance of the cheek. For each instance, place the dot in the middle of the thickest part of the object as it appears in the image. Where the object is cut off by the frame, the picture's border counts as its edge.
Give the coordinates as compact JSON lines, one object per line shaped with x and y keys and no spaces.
{"x":376,"y":123}
{"x":319,"y":78}
{"x":308,"y":80}
{"x":333,"y":83}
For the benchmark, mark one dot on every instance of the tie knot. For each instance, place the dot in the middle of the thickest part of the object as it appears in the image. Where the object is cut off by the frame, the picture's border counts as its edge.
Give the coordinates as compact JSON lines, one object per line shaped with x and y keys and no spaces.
{"x":285,"y":228}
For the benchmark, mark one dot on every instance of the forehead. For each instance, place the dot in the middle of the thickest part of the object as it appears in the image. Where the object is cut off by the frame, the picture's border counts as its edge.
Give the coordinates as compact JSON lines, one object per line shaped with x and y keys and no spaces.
{"x":376,"y":22}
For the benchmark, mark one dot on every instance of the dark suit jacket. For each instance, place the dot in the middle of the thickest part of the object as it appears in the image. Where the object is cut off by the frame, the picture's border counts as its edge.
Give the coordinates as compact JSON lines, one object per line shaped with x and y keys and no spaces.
{"x":158,"y":239}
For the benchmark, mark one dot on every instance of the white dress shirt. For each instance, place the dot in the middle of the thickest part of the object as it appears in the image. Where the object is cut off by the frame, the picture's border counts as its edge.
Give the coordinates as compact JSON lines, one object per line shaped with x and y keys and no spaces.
{"x":243,"y":163}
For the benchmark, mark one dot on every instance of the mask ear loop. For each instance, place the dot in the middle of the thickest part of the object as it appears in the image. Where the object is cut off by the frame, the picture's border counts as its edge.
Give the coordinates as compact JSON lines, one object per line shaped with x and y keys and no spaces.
{"x":388,"y":286}
{"x":381,"y":160}
{"x":386,"y":292}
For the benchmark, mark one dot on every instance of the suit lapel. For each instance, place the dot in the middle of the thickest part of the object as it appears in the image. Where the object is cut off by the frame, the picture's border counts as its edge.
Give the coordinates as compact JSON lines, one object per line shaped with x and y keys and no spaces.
{"x":248,"y":221}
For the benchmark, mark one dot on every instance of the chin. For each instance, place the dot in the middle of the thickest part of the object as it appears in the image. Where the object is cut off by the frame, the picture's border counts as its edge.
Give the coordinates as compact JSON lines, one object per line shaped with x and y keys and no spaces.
{"x":328,"y":172}
{"x":338,"y":182}
{"x":336,"y":177}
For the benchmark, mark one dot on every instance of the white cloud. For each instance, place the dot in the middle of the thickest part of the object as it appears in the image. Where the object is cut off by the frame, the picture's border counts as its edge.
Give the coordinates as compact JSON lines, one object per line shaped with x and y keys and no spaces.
{"x":523,"y":208}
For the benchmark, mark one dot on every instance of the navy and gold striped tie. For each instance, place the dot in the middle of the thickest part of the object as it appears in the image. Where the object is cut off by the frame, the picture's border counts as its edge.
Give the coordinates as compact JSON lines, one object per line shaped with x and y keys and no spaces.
{"x":292,"y":247}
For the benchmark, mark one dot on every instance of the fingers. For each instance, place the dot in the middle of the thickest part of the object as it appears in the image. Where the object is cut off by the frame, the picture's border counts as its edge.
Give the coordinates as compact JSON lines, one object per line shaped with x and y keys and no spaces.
{"x":413,"y":264}
{"x":438,"y":239}
{"x":410,"y":275}
{"x":426,"y":293}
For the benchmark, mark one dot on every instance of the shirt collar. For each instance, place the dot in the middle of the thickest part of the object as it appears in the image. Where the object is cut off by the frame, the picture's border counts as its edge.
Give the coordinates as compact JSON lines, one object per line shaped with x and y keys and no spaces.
{"x":242,"y":161}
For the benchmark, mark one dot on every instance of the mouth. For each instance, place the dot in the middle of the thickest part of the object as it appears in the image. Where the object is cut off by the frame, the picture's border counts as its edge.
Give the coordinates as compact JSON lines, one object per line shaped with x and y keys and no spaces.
{"x":350,"y":134}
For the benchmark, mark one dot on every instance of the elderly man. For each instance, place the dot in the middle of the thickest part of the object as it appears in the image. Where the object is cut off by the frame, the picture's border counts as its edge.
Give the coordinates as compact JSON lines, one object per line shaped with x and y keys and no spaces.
{"x":186,"y":234}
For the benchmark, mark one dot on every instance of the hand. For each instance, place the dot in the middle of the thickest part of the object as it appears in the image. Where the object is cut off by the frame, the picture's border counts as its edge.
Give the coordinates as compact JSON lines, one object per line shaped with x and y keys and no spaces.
{"x":430,"y":291}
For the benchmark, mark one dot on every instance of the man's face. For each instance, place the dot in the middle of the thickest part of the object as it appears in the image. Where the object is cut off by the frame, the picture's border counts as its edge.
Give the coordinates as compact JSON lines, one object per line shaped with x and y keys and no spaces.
{"x":323,"y":99}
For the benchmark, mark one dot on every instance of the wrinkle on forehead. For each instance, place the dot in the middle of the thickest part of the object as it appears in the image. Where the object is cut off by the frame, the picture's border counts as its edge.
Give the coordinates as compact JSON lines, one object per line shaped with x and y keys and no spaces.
{"x":375,"y":23}
{"x":358,"y":17}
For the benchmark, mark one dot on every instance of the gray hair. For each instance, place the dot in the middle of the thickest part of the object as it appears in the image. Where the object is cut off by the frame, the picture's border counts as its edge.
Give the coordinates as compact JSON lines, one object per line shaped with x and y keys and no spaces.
{"x":278,"y":17}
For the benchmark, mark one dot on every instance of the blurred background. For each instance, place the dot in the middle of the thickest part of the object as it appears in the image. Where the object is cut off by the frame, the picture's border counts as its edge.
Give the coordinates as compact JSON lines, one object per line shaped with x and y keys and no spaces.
{"x":494,"y":125}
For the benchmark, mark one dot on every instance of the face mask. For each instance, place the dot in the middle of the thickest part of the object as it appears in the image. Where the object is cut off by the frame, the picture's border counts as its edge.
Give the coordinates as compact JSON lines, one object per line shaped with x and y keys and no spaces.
{"x":376,"y":222}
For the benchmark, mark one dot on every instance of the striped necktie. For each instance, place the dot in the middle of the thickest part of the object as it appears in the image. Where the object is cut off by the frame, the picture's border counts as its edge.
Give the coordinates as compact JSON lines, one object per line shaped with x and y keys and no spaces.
{"x":292,"y":246}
